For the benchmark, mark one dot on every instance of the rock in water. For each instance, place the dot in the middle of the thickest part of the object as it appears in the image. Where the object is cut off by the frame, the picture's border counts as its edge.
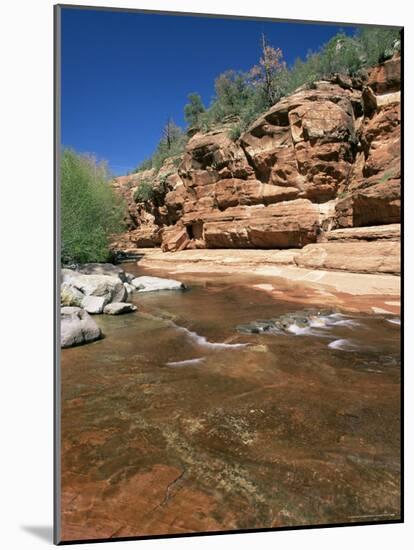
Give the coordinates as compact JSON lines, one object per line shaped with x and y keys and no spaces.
{"x":107,"y":286}
{"x":151,"y":284}
{"x":129,"y":288}
{"x":70,"y":295}
{"x":94,"y":304}
{"x":115,"y":308}
{"x":77,"y":327}
{"x":297,"y":322}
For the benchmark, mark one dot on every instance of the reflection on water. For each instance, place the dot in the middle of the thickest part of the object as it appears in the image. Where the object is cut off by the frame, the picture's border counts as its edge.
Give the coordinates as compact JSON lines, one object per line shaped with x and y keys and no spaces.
{"x":177,"y":422}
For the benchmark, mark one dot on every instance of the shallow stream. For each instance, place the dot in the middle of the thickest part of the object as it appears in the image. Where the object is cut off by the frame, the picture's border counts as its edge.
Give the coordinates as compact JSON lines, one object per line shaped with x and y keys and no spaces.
{"x":178,"y":422}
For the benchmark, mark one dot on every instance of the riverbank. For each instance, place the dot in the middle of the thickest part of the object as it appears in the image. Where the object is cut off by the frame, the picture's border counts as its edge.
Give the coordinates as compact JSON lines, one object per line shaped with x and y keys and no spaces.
{"x":274,"y":272}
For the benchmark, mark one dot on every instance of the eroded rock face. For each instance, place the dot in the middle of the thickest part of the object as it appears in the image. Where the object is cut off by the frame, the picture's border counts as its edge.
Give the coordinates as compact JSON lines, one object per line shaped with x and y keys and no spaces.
{"x":386,"y":77}
{"x":321,"y":159}
{"x":373,"y":196}
{"x":306,"y":141}
{"x":216,"y":154}
{"x":174,"y":238}
{"x":289,"y":224}
{"x":374,"y":205}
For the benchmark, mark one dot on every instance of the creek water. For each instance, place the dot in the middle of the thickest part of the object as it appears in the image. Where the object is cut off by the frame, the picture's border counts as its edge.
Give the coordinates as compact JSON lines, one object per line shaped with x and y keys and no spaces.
{"x":176,"y":422}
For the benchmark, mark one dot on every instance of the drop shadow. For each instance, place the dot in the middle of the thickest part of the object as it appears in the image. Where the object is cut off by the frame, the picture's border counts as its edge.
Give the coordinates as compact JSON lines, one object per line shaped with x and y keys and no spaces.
{"x":43,"y":532}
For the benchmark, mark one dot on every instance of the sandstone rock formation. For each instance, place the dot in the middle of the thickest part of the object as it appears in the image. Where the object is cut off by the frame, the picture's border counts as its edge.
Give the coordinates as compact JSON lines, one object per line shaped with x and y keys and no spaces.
{"x":324,"y":159}
{"x":368,"y":257}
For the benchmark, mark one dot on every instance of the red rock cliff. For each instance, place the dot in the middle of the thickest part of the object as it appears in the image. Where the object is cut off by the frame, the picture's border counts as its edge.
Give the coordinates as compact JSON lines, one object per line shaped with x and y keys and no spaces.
{"x":320,"y":160}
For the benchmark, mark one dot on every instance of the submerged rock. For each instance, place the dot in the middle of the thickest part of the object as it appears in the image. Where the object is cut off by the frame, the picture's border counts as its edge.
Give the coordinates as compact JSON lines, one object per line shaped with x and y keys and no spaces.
{"x":116,"y":308}
{"x":77,"y":327}
{"x":151,"y":284}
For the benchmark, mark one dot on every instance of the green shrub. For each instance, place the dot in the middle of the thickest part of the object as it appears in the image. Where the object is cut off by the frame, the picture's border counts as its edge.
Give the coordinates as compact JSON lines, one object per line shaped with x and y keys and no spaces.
{"x":144,"y":192}
{"x":235,"y":132}
{"x":90,"y":209}
{"x":193,"y":109}
{"x":378,"y":44}
{"x":342,"y":54}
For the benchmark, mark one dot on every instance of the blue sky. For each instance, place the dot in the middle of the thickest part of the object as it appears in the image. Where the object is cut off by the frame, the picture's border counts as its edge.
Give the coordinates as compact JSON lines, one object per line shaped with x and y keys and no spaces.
{"x":124,"y":74}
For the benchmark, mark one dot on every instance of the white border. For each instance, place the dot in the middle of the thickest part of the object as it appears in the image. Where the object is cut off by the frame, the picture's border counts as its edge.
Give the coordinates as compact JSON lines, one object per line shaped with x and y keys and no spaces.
{"x":27,"y":268}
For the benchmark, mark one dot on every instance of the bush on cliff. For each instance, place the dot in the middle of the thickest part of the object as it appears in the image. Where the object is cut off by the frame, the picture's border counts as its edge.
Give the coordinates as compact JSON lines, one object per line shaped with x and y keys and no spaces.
{"x":144,"y":192}
{"x":171,"y":144}
{"x":90,"y":209}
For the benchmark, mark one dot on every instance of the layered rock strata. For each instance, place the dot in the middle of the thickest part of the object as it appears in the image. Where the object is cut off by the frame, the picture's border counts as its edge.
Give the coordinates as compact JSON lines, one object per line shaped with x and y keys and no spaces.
{"x":320,"y":162}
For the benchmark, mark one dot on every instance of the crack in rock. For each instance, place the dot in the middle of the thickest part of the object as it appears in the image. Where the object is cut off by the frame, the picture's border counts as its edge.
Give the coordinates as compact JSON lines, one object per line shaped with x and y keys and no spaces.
{"x":168,"y":491}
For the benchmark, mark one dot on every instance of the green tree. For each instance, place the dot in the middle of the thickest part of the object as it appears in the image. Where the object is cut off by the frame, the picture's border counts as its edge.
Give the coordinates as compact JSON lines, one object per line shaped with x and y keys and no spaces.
{"x":232,"y":94}
{"x":378,"y":44}
{"x":342,"y":54}
{"x":193,"y":109}
{"x":90,"y":209}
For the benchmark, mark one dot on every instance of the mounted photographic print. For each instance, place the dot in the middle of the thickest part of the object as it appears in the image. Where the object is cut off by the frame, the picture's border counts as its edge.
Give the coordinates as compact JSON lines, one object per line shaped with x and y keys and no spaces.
{"x":228,"y":328}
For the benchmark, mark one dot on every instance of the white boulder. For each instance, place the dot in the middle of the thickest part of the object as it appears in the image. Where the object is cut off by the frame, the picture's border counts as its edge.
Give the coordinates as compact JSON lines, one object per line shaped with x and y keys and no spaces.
{"x":151,"y":284}
{"x":70,"y":295}
{"x":77,"y":327}
{"x":107,"y":286}
{"x":116,"y":308}
{"x":94,"y":304}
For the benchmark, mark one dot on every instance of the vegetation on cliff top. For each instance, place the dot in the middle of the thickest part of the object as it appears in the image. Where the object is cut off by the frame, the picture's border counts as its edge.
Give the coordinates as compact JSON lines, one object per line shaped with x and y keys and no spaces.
{"x":172,"y":143}
{"x":246,"y":95}
{"x":90,"y":209}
